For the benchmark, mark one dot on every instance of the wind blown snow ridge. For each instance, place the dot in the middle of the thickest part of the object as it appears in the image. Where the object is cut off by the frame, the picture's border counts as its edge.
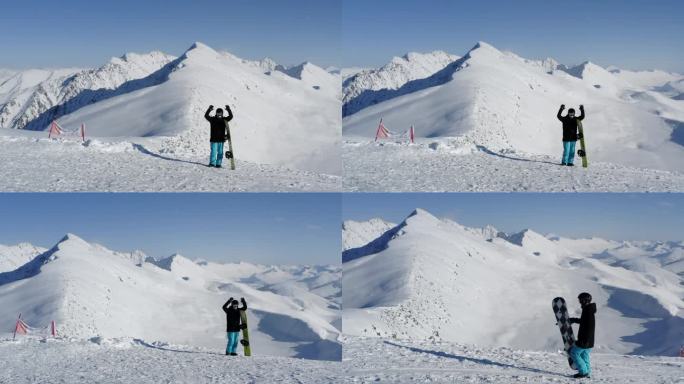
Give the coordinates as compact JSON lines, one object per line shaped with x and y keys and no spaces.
{"x":91,"y":291}
{"x":420,"y":285}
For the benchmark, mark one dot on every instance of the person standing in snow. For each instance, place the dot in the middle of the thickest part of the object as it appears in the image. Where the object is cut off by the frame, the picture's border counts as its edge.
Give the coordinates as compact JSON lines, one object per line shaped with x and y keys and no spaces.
{"x":570,"y":135}
{"x":219,"y":134}
{"x":581,"y":350}
{"x":233,"y":324}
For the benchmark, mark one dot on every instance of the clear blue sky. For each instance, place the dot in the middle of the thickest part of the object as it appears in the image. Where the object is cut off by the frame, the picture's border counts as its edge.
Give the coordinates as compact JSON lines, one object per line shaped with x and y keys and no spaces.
{"x":633,"y":34}
{"x":285,"y":228}
{"x":616,"y":216}
{"x":46,"y":33}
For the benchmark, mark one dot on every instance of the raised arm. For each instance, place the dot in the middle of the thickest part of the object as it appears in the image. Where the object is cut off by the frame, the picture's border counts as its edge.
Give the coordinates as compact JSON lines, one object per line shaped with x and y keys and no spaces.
{"x":581,"y":116}
{"x":206,"y":114}
{"x":230,"y":114}
{"x":562,"y":107}
{"x":244,"y":304}
{"x":227,"y":304}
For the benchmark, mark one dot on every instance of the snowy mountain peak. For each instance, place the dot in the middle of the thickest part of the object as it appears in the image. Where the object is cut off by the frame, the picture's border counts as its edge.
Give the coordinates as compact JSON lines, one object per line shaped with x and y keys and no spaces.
{"x":585,"y":69}
{"x":483,"y":51}
{"x":484,"y":46}
{"x":171,"y":262}
{"x":71,"y":238}
{"x":422,"y":218}
{"x":519,"y":238}
{"x":200,"y":47}
{"x":421,"y":213}
{"x":199,"y":52}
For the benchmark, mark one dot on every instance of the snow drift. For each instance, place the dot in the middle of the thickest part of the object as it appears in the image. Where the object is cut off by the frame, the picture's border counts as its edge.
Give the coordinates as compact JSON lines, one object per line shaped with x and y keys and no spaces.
{"x":428,"y":278}
{"x":503,"y":102}
{"x":91,"y":291}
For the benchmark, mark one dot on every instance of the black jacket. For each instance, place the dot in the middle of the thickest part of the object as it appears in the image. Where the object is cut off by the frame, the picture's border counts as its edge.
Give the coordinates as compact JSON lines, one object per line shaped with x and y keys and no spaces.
{"x":233,"y":316}
{"x":587,"y":324}
{"x":570,"y":125}
{"x":218,"y":126}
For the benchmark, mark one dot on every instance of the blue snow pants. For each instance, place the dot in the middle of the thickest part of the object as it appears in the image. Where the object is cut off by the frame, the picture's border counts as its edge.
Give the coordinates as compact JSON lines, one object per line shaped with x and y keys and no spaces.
{"x":582,"y":359}
{"x":232,"y":342}
{"x":216,"y":156}
{"x":568,"y":152}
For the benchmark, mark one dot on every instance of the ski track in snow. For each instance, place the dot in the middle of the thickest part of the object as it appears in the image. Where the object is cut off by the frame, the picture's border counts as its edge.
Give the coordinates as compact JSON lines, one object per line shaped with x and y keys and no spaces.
{"x":400,"y":361}
{"x":54,"y":166}
{"x":440,"y":165}
{"x":57,"y":361}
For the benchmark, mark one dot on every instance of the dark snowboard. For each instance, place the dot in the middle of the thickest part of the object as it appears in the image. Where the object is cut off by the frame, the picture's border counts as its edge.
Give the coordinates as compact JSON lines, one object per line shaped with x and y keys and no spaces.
{"x":230,"y":154}
{"x":245,"y":334}
{"x":583,"y":147}
{"x":563,"y":321}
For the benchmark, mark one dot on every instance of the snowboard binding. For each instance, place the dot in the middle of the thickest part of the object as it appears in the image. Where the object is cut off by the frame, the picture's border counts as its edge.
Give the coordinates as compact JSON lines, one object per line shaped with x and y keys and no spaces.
{"x":581,"y":153}
{"x":229,"y":155}
{"x":244,"y":343}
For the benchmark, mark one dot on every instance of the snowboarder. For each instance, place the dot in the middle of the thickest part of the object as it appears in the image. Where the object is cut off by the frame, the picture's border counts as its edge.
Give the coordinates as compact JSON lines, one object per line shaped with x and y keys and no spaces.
{"x":570,"y":136}
{"x":219,"y":123}
{"x":233,"y":324}
{"x":585,"y":336}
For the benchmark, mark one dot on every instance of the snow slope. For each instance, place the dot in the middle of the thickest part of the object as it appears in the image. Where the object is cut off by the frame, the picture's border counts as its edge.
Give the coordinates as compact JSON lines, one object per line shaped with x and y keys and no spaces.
{"x":33,"y":163}
{"x":364,"y":87}
{"x":369,"y":360}
{"x":456,"y":164}
{"x":91,"y":291}
{"x":502,"y":102}
{"x":141,"y":361}
{"x":358,"y":233}
{"x":279,"y":119}
{"x":14,"y":256}
{"x":434,"y":279}
{"x":284,"y":116}
{"x":32,"y":99}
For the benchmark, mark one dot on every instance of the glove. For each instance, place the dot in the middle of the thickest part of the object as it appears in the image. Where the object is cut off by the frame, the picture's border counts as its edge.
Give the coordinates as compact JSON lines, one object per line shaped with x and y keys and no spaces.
{"x":562,"y":107}
{"x":243,"y":326}
{"x":579,"y":136}
{"x":581,"y":107}
{"x":211,"y":107}
{"x":242,"y":300}
{"x":227,"y":107}
{"x":231,"y":299}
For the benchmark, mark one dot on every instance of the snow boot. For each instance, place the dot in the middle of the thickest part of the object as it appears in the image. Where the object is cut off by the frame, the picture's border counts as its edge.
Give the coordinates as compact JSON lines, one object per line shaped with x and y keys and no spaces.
{"x":218,"y":166}
{"x":570,"y":165}
{"x":564,"y":164}
{"x":581,"y":376}
{"x":233,"y":354}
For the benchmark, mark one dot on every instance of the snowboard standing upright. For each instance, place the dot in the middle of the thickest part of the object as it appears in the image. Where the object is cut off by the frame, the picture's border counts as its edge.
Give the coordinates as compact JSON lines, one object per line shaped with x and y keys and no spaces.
{"x":583,"y":147}
{"x":563,"y":321}
{"x":245,"y":334}
{"x":229,"y":154}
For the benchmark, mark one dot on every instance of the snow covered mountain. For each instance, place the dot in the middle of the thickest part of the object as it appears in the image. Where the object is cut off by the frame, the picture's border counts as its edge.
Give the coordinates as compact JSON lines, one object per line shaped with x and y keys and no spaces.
{"x":32,"y":99}
{"x":364,"y":87}
{"x":14,"y":256}
{"x":506,"y":103}
{"x":283,"y":115}
{"x":91,"y":291}
{"x":434,"y":279}
{"x":358,"y":233}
